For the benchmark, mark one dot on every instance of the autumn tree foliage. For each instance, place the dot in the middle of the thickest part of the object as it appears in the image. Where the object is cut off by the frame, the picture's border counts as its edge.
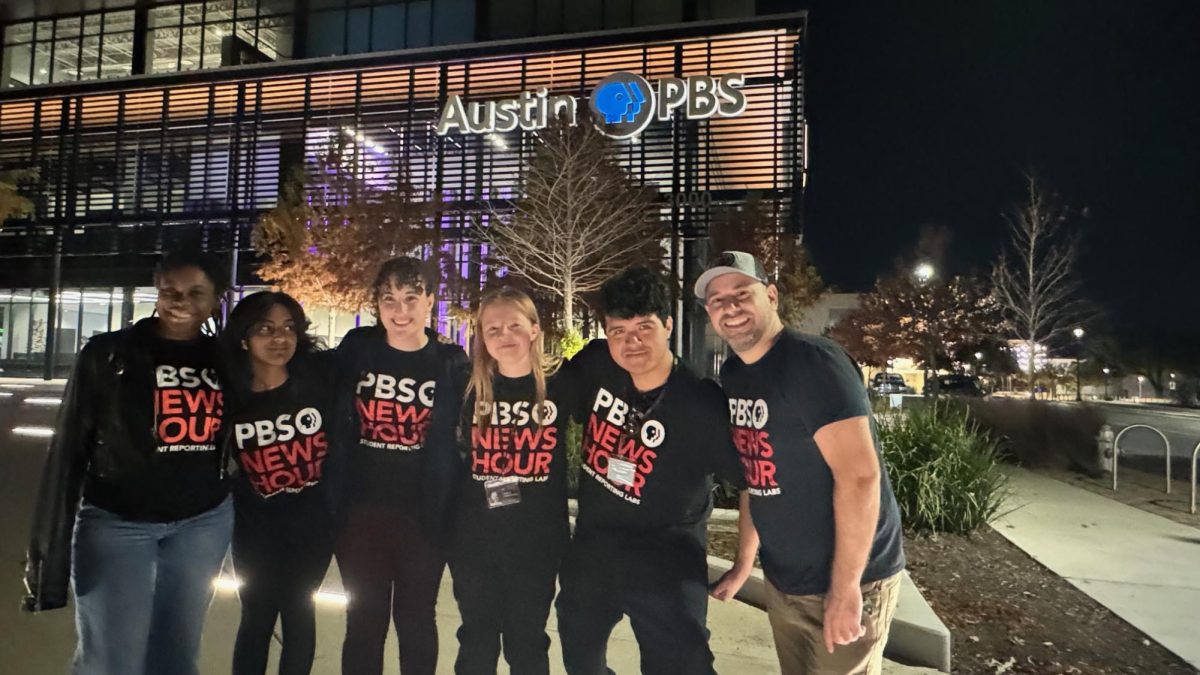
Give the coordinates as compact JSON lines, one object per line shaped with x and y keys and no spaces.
{"x":332,"y":229}
{"x":754,"y":227}
{"x":934,"y":322}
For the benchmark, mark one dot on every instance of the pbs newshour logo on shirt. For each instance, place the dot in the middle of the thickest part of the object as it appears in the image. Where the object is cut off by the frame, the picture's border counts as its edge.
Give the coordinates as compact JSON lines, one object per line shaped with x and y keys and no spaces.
{"x":748,"y":414}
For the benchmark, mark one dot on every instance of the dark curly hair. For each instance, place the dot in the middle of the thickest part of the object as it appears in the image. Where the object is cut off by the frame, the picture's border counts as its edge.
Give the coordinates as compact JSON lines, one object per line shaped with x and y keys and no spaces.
{"x":183,"y":258}
{"x":635,"y":291}
{"x":400,"y":272}
{"x":238,"y":373}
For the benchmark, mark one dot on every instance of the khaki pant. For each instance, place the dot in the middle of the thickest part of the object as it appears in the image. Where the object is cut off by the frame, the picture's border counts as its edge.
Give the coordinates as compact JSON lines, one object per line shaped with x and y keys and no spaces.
{"x":797,"y":622}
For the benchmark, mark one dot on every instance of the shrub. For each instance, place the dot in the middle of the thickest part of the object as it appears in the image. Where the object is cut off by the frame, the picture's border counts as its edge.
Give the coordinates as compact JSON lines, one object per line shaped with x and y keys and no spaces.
{"x":943,"y":470}
{"x":1042,"y":433}
{"x":574,"y":438}
{"x":571,"y":343}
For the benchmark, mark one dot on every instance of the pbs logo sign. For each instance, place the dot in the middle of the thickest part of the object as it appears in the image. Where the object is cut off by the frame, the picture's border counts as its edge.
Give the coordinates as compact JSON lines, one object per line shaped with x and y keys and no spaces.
{"x":622,"y":104}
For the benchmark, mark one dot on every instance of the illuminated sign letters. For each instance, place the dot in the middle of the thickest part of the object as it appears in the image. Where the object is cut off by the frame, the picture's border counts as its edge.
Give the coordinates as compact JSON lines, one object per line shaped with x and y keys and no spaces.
{"x":622,"y":105}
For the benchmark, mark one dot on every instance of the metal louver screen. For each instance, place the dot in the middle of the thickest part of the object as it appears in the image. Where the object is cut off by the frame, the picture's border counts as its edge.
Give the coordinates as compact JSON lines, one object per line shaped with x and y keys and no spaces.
{"x":130,"y":170}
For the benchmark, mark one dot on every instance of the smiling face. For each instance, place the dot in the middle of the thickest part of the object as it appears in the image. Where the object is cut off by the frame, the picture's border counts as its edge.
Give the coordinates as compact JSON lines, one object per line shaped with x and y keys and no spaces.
{"x":638,"y":344}
{"x":272,"y":340}
{"x":186,"y":299}
{"x":508,"y":336}
{"x":740,"y":309}
{"x":404,"y":312}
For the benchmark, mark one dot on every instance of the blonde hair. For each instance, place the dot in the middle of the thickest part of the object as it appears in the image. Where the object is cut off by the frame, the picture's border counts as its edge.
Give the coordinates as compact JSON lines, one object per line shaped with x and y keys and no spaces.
{"x":483,"y":366}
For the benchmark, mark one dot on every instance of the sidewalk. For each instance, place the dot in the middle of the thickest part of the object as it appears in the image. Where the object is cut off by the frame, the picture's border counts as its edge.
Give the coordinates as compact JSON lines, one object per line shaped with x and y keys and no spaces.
{"x":741,"y":640}
{"x":1140,"y":566}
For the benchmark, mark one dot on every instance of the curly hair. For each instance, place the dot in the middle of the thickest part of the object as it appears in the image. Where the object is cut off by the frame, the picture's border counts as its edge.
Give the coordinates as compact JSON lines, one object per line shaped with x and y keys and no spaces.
{"x":238,"y":372}
{"x":635,"y":291}
{"x":183,"y":258}
{"x":400,"y":272}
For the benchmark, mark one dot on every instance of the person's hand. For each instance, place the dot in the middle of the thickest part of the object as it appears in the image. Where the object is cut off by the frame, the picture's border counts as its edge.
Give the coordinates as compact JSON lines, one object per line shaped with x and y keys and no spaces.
{"x":843,"y":616}
{"x":730,"y":583}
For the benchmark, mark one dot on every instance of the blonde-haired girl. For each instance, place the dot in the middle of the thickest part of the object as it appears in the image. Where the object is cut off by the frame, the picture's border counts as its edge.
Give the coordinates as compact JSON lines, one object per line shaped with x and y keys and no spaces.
{"x":507,"y":427}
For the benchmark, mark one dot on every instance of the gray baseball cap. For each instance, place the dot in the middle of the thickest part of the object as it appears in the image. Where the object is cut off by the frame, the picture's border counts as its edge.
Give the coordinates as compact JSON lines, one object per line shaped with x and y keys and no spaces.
{"x":730,"y":261}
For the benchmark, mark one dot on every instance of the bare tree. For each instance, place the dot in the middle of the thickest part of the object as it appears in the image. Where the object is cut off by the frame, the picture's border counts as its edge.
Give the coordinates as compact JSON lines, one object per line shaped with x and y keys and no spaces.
{"x":754,"y":227}
{"x":580,"y":217}
{"x":332,"y":229}
{"x":1034,"y":280}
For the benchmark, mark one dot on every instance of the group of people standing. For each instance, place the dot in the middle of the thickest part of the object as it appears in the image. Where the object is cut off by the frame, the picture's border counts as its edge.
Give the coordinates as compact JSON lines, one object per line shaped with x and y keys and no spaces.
{"x":397,"y":454}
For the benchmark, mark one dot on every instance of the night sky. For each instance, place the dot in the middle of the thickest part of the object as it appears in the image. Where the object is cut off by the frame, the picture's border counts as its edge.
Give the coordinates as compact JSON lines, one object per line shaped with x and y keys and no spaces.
{"x":927,"y":113}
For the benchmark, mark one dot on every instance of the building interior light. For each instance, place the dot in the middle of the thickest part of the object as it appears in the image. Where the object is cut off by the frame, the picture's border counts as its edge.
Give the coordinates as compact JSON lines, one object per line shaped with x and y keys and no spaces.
{"x":14,"y":385}
{"x":229,"y":584}
{"x":331,"y":598}
{"x":44,"y":400}
{"x":33,"y":432}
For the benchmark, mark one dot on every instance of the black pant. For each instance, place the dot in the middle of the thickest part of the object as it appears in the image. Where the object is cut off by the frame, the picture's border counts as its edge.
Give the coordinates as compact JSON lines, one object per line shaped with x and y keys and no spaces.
{"x":504,"y":598}
{"x":391,"y":571}
{"x":280,"y":567}
{"x":661,"y":586}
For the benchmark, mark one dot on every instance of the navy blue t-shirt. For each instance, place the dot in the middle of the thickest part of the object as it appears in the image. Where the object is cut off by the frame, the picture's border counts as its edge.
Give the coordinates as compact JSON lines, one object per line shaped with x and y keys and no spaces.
{"x":775,"y":406}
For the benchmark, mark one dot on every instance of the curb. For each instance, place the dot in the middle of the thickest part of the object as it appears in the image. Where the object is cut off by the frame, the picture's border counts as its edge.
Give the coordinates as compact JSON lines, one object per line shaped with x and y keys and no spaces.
{"x":918,"y":637}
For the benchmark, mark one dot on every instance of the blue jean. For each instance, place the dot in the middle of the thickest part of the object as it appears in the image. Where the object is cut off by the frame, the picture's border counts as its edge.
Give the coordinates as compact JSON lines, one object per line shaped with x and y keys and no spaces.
{"x":142,"y":590}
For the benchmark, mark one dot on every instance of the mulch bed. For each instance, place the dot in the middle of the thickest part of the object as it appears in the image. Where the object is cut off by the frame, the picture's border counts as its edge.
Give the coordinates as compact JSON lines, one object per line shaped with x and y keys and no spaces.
{"x":1009,"y":615}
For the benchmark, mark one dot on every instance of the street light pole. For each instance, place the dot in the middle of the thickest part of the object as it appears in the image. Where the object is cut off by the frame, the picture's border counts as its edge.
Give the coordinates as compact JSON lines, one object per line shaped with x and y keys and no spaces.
{"x":1078,"y":346}
{"x":1107,"y":370}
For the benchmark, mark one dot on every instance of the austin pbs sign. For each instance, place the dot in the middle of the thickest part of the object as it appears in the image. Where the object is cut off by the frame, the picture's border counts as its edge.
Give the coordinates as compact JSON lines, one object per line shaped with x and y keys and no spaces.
{"x":622,"y":105}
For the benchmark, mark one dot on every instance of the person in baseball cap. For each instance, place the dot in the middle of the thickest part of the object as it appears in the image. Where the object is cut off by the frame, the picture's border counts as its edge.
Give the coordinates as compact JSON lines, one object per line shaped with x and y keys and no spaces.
{"x":819,"y":498}
{"x":730,"y":261}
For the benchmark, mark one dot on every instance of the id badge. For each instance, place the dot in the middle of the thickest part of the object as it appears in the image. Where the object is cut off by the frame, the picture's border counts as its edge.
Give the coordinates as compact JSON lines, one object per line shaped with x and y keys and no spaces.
{"x":621,"y":472}
{"x":502,"y":492}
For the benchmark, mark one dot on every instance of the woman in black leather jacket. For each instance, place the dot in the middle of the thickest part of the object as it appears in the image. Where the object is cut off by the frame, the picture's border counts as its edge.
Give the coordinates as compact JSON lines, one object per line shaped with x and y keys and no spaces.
{"x":134,"y":506}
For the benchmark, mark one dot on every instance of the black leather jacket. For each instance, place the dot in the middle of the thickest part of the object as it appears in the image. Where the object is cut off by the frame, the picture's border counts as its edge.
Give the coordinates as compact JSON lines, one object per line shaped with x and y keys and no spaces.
{"x":105,"y":431}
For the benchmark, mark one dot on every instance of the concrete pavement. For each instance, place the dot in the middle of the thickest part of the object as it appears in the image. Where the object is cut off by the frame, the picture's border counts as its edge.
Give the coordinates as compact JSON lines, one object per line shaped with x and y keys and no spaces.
{"x":1124,"y":558}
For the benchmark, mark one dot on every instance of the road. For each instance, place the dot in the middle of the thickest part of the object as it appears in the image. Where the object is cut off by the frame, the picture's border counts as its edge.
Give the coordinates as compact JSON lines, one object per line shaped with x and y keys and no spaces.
{"x":1181,"y":427}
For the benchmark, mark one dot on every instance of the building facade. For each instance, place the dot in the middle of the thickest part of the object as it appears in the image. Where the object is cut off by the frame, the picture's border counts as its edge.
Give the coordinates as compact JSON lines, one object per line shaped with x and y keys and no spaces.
{"x":165,"y":125}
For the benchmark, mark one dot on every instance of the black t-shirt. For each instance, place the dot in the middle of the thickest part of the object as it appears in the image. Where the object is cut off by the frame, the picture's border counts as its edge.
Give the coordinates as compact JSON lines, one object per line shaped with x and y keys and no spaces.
{"x":513,"y":497}
{"x":775,"y":406}
{"x":279,"y":440}
{"x":393,"y":404}
{"x":653,"y":479}
{"x":182,"y":475}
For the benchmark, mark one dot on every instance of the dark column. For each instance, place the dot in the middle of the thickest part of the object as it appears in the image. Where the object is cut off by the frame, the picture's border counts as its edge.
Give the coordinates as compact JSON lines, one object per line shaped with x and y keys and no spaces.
{"x":141,"y":36}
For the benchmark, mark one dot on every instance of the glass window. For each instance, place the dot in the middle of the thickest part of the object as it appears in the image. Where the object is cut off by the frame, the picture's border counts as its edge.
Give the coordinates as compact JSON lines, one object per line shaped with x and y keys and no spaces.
{"x":85,"y":47}
{"x":93,"y":24}
{"x":16,"y":65}
{"x":326,"y":33}
{"x":67,"y":28}
{"x":97,"y":305}
{"x":420,"y":23}
{"x":214,"y":37}
{"x":454,"y":21}
{"x":66,"y":61}
{"x":144,"y":298}
{"x":41,"y":63}
{"x":117,"y":59}
{"x":18,"y":340}
{"x":89,"y":58}
{"x":359,"y":31}
{"x":66,"y":330}
{"x":387,"y":28}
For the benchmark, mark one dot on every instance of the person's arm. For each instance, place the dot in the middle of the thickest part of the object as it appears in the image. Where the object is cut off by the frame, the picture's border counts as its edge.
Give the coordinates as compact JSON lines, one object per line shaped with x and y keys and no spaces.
{"x":48,"y":561}
{"x":731,"y":582}
{"x":441,"y":464}
{"x":849,"y":450}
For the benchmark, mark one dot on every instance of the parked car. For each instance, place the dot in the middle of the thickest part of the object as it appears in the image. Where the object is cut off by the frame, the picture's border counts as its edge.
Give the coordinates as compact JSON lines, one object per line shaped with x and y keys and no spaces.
{"x":889,"y":383}
{"x":955,"y":385}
